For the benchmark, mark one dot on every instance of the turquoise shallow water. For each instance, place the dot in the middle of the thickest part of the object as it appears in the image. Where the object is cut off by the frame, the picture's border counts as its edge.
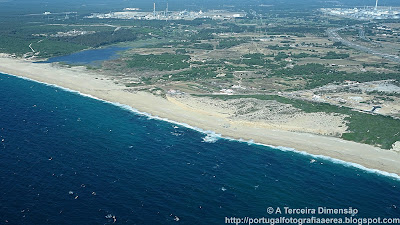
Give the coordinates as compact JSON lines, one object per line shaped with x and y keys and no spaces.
{"x":70,"y":159}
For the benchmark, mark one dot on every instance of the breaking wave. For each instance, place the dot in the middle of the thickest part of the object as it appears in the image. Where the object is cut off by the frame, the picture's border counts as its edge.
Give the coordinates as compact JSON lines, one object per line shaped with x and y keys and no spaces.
{"x":212,"y":137}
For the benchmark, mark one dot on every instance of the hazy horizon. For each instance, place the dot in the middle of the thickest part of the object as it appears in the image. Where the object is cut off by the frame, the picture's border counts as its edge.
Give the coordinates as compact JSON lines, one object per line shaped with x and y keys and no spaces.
{"x":35,"y":6}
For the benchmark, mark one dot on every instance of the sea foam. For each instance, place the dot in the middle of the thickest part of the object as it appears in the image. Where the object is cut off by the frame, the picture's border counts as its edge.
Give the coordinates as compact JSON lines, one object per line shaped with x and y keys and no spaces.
{"x":212,"y":137}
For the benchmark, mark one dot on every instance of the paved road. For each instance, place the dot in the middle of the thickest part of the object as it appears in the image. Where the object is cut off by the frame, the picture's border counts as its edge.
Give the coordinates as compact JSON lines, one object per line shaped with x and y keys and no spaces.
{"x":334,"y":36}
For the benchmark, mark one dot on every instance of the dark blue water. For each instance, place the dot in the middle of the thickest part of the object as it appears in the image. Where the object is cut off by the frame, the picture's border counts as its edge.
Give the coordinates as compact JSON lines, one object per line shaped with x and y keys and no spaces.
{"x":68,"y":159}
{"x":89,"y":57}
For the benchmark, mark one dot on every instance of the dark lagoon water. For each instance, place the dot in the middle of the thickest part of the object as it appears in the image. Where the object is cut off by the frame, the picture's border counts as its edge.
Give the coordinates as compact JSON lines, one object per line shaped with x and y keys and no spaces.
{"x":89,"y":57}
{"x":70,"y":159}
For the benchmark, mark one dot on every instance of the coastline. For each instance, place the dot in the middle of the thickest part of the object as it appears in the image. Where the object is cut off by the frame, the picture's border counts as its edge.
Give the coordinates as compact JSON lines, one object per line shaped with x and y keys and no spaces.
{"x":104,"y":88}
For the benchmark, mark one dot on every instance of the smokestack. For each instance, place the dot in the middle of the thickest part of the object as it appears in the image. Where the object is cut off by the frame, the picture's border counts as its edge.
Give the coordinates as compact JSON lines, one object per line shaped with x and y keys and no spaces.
{"x":154,"y":9}
{"x":376,"y":5}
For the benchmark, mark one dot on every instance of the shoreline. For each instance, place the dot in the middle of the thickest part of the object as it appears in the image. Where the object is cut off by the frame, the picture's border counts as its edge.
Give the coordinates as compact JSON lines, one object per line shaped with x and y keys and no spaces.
{"x":98,"y":86}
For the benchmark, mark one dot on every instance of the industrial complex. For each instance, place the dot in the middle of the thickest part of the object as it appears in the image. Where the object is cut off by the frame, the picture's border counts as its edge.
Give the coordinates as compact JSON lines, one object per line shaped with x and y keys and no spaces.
{"x":365,"y":13}
{"x":165,"y":14}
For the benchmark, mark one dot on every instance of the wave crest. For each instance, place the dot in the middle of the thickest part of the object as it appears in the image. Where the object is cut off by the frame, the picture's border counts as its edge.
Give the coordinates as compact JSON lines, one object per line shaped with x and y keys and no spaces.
{"x":212,"y":137}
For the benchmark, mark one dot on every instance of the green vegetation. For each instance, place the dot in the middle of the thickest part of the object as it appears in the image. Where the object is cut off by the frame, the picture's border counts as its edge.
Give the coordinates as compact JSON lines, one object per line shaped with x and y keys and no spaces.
{"x":365,"y":128}
{"x":230,"y":42}
{"x":204,"y":46}
{"x":181,"y":51}
{"x":303,"y":55}
{"x":381,"y":93}
{"x":16,"y":39}
{"x":278,"y":48}
{"x":297,"y":29}
{"x":195,"y":73}
{"x":255,"y":59}
{"x":204,"y":34}
{"x":338,"y":44}
{"x":334,"y":55}
{"x":159,"y":62}
{"x":281,"y":32}
{"x":146,"y":31}
{"x":311,"y":69}
{"x":100,"y":38}
{"x":280,"y":56}
{"x":14,"y":45}
{"x":317,"y":75}
{"x":49,"y":48}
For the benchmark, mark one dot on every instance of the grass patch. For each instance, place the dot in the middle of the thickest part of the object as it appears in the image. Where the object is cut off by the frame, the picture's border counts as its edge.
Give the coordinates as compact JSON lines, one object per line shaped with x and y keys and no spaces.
{"x":195,"y":73}
{"x":159,"y":62}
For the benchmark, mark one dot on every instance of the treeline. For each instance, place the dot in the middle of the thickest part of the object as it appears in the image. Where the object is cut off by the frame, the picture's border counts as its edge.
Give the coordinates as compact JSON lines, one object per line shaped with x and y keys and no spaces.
{"x":230,"y":42}
{"x":205,"y":34}
{"x":334,"y":55}
{"x":317,"y":75}
{"x":280,"y":56}
{"x":100,"y":38}
{"x":50,"y":48}
{"x":278,"y":48}
{"x":204,"y":46}
{"x":303,"y":55}
{"x":15,"y":45}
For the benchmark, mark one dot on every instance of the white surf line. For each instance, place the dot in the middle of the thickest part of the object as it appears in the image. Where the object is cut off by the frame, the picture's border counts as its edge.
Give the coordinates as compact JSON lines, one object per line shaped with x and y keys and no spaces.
{"x":219,"y":136}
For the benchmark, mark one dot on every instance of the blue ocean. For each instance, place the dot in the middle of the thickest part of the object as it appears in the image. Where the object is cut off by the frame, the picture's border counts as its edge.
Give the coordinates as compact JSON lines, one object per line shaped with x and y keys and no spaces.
{"x":70,"y":159}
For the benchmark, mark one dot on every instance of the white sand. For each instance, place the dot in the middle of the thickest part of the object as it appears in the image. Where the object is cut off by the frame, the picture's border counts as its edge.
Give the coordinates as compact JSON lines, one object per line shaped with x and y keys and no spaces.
{"x":84,"y":81}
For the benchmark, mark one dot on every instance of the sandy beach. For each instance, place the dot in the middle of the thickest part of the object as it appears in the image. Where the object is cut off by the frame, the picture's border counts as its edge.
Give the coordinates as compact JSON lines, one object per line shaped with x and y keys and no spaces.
{"x":207,"y":118}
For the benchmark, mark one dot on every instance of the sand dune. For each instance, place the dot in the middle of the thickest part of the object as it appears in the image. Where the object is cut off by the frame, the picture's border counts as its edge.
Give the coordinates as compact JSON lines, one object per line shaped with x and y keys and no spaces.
{"x":212,"y":118}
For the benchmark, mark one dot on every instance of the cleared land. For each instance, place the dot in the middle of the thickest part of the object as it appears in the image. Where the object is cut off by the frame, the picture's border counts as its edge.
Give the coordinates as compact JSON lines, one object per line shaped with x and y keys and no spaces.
{"x":276,"y":71}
